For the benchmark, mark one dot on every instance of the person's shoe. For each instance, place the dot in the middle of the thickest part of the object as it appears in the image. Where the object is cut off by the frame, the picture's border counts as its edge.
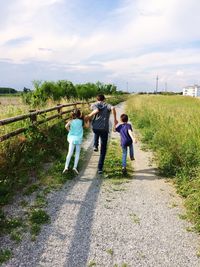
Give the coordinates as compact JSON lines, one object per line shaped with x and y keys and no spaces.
{"x":124,"y":171}
{"x":75,"y":170}
{"x":133,"y":158}
{"x":100,"y":171}
{"x":65,"y":170}
{"x":96,"y":149}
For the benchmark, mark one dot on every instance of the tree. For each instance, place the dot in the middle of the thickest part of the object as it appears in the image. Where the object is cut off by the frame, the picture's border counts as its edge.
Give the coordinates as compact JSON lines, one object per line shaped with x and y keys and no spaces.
{"x":7,"y":90}
{"x":86,"y":91}
{"x":26,"y":90}
{"x":68,"y":90}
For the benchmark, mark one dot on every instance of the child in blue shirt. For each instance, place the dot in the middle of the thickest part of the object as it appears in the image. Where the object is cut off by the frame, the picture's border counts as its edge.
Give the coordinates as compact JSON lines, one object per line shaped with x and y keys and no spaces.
{"x":75,"y":137}
{"x":127,"y":139}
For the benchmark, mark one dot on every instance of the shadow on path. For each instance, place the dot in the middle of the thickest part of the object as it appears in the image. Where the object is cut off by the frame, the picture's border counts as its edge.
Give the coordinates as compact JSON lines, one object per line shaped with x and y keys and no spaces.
{"x":30,"y":253}
{"x":80,"y":244}
{"x":147,"y":174}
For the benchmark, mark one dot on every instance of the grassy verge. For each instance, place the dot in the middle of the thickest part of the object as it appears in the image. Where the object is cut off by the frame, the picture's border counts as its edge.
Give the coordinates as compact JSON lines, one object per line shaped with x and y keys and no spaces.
{"x":170,"y":126}
{"x":22,"y":158}
{"x":114,"y":100}
{"x":113,"y":165}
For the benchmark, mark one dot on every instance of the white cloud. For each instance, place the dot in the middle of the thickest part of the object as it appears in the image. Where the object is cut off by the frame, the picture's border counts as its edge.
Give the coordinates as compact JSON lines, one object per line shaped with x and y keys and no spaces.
{"x":179,"y":73}
{"x":143,"y":38}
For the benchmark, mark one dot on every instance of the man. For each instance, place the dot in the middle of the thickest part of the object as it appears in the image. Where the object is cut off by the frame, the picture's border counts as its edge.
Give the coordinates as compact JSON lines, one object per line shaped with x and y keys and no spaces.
{"x":100,"y":125}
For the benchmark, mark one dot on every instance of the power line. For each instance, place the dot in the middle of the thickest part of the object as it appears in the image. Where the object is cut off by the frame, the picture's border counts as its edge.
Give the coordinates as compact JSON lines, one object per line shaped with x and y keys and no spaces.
{"x":166,"y":87}
{"x":156,"y":84}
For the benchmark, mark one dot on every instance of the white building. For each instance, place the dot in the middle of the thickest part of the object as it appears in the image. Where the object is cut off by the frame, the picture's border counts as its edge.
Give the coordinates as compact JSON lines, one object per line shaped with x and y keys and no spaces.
{"x":193,"y":91}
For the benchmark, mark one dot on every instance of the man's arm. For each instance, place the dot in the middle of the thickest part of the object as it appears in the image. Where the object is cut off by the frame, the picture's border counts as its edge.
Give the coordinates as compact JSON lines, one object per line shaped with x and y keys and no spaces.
{"x":115,"y":115}
{"x":94,"y":112}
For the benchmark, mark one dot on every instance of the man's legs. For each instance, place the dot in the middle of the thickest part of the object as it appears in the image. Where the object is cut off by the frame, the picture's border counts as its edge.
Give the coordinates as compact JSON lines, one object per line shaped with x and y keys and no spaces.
{"x":96,"y":139}
{"x":104,"y":139}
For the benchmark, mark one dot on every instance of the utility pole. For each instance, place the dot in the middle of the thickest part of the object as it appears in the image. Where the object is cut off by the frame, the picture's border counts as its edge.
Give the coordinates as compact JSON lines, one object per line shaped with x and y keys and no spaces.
{"x":156,"y":84}
{"x":127,"y":87}
{"x":166,"y":87}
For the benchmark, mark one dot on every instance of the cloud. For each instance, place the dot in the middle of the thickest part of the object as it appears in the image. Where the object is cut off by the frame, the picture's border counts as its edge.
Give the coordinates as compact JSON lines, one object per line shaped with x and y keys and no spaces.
{"x":120,"y":40}
{"x":45,"y":49}
{"x":18,"y":41}
{"x":179,"y":73}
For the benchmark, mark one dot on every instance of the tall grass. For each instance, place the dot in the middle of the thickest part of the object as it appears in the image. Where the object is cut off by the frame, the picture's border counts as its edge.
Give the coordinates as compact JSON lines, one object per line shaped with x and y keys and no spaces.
{"x":171,"y":127}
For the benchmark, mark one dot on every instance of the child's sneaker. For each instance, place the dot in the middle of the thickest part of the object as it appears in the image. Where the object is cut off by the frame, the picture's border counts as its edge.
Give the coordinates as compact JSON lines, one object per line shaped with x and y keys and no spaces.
{"x":75,"y":170}
{"x":65,"y":170}
{"x":132,"y":158}
{"x":100,"y":172}
{"x":96,"y":149}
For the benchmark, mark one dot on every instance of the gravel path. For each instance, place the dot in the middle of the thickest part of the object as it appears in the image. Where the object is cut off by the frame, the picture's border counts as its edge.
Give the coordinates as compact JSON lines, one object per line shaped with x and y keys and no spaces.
{"x":93,"y":224}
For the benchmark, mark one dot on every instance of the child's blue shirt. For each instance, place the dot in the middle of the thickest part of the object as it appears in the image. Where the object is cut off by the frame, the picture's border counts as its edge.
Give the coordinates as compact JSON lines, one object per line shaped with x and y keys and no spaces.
{"x":75,"y":134}
{"x":125,"y":137}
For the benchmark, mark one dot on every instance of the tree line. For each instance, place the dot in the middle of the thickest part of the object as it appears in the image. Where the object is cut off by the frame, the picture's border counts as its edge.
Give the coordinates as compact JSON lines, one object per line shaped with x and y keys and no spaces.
{"x":65,"y":89}
{"x":7,"y":90}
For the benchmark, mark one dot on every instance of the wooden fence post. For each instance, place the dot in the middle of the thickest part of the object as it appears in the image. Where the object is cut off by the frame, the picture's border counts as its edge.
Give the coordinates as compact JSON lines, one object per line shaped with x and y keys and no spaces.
{"x":59,"y":110}
{"x":33,"y":117}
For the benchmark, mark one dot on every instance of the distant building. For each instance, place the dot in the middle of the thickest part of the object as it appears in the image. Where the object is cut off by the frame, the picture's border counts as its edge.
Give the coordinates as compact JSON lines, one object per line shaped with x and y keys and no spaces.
{"x":193,"y":91}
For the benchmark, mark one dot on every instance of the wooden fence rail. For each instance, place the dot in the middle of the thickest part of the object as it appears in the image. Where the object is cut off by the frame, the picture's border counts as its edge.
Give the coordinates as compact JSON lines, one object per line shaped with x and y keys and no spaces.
{"x":33,"y":118}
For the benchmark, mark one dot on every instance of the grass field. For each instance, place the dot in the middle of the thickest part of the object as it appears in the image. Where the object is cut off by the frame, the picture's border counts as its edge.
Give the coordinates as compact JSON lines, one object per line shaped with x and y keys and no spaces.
{"x":13,"y":106}
{"x":170,"y":125}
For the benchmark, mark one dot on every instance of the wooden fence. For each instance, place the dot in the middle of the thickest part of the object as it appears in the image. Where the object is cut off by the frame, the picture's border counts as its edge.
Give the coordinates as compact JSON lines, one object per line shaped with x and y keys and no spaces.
{"x":33,"y":118}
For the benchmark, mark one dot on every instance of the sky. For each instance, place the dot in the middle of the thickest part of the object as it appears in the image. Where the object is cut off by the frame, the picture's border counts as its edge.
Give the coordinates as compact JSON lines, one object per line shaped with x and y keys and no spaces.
{"x":125,"y":42}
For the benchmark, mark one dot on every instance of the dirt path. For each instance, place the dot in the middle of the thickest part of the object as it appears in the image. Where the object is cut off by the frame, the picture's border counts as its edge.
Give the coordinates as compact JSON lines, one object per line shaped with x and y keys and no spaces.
{"x":95,"y":224}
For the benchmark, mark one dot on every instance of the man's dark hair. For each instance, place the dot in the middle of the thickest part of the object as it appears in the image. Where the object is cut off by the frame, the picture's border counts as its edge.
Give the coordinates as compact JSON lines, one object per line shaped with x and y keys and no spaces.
{"x":100,"y":97}
{"x":124,"y":118}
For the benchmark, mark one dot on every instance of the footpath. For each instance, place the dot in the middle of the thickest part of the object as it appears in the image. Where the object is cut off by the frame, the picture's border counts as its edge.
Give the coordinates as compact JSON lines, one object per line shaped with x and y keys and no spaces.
{"x":94,"y":225}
